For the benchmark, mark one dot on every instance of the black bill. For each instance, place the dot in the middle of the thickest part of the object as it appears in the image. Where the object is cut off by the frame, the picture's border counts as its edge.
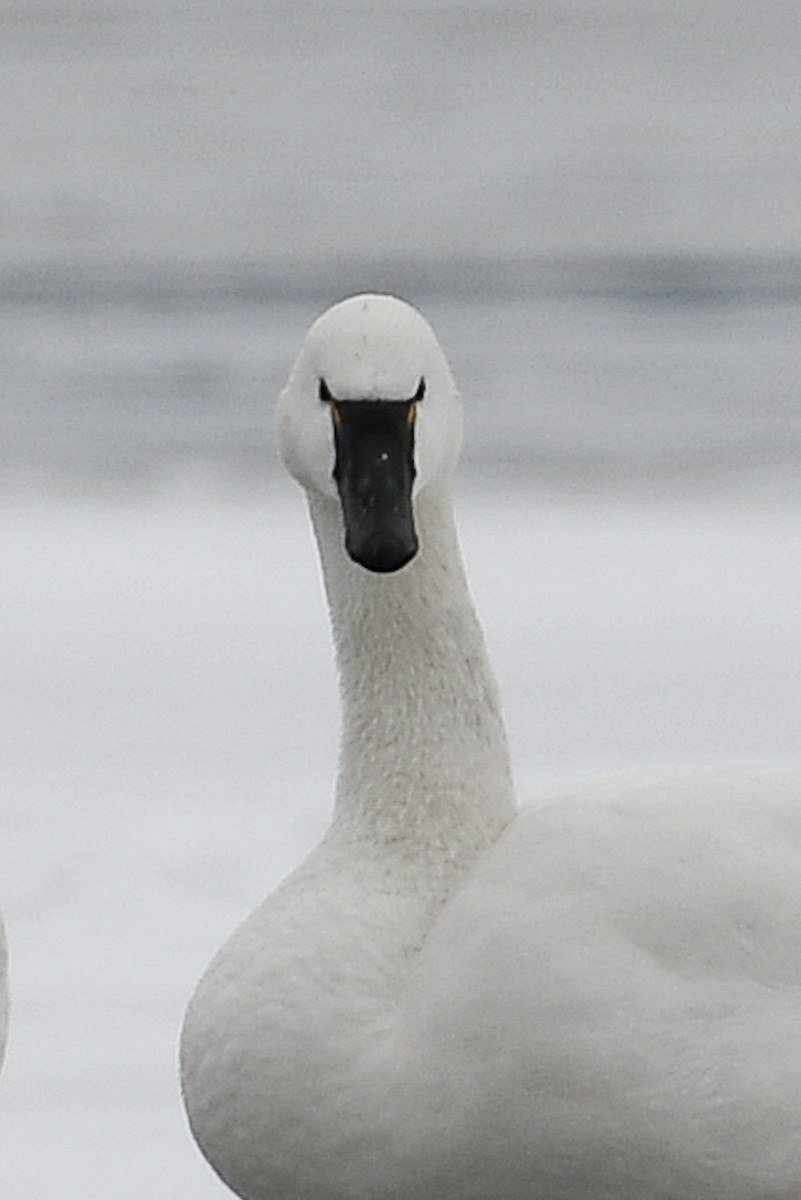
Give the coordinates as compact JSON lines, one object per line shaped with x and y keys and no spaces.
{"x":374,"y":472}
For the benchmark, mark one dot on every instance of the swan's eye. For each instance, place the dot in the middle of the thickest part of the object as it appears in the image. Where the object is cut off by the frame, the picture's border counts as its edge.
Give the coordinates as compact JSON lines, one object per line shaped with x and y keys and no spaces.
{"x":324,"y":392}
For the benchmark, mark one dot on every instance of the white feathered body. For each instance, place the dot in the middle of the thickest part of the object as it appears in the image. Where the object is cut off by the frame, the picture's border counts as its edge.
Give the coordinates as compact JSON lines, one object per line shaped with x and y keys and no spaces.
{"x":609,"y":1007}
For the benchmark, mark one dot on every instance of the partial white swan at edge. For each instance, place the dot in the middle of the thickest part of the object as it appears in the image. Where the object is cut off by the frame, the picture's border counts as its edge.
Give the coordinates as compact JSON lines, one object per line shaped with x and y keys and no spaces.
{"x":3,"y":992}
{"x":597,"y":997}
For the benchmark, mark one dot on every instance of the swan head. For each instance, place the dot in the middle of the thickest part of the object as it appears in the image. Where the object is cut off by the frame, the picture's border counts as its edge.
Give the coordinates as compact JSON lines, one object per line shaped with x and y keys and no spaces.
{"x":370,"y":417}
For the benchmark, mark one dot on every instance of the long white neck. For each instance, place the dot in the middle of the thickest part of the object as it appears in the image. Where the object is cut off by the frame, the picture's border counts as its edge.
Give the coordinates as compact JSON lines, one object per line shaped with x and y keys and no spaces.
{"x":424,"y":762}
{"x":424,"y":787}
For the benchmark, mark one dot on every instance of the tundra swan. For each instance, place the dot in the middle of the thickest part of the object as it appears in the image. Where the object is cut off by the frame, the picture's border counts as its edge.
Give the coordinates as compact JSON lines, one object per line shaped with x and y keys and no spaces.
{"x":595,"y":998}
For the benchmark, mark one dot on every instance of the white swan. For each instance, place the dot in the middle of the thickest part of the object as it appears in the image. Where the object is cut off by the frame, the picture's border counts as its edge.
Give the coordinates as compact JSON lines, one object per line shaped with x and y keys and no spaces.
{"x":3,"y":992}
{"x":598,"y":998}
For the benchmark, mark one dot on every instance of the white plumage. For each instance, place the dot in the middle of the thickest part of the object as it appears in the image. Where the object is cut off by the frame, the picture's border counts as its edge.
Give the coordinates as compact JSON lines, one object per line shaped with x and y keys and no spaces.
{"x":3,"y":992}
{"x":596,"y":998}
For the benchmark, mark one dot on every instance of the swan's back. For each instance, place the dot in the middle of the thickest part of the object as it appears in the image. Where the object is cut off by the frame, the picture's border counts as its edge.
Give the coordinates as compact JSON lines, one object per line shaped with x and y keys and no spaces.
{"x":612,"y":1005}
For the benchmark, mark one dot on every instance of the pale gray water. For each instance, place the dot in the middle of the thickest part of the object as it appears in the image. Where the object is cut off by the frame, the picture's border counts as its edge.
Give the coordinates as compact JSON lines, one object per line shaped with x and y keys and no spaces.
{"x":597,"y":203}
{"x":303,"y":132}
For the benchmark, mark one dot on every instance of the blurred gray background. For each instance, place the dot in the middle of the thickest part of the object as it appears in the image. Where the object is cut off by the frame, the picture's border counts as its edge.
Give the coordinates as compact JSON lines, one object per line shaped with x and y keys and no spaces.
{"x":598,"y":205}
{"x":598,"y":202}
